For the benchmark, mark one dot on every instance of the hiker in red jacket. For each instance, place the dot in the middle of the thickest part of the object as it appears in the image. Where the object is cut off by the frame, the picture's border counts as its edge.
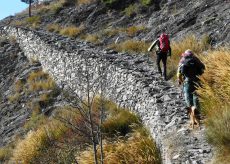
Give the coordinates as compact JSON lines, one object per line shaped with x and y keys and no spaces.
{"x":163,"y":50}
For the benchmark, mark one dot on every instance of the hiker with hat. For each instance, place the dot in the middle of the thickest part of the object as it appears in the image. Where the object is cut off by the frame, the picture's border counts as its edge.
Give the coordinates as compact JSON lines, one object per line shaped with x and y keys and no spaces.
{"x":163,"y":50}
{"x":189,"y":70}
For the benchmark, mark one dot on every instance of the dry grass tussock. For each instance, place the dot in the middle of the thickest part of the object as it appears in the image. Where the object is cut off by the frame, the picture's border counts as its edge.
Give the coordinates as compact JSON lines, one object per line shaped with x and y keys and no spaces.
{"x":40,"y":80}
{"x":93,"y":38}
{"x":31,"y":22}
{"x":53,"y":28}
{"x":131,"y":46}
{"x":129,"y":31}
{"x":55,"y":140}
{"x":29,"y":148}
{"x":138,"y":148}
{"x":5,"y":153}
{"x":215,"y":100}
{"x":71,"y":31}
{"x":85,"y":2}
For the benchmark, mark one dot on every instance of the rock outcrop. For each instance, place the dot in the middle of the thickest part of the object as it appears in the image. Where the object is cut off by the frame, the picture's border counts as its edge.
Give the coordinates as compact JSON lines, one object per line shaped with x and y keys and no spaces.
{"x":131,"y":81}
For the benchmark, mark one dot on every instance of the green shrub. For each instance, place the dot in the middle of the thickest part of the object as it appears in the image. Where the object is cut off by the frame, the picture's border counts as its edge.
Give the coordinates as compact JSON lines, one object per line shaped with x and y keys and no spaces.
{"x":33,"y":21}
{"x":110,"y":2}
{"x":132,"y":9}
{"x":146,"y":2}
{"x":35,"y":121}
{"x":120,"y":123}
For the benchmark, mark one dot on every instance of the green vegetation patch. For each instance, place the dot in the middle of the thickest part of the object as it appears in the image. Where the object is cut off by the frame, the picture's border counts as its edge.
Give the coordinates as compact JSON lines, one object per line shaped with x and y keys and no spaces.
{"x":147,"y":2}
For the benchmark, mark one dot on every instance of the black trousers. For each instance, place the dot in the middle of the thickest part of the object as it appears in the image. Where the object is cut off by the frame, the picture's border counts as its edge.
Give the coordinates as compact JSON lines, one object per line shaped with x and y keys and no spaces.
{"x":162,"y":56}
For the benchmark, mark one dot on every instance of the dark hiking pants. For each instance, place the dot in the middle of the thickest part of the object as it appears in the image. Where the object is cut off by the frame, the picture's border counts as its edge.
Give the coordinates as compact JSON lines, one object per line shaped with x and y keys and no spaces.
{"x":162,"y":56}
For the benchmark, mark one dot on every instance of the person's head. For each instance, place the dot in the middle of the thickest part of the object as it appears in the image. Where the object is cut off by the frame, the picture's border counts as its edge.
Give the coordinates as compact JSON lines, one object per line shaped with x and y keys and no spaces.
{"x":164,"y":30}
{"x":188,"y":52}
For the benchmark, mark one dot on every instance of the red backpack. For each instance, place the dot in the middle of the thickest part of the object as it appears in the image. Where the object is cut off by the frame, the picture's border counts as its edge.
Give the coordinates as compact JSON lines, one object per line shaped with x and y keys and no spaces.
{"x":164,"y":42}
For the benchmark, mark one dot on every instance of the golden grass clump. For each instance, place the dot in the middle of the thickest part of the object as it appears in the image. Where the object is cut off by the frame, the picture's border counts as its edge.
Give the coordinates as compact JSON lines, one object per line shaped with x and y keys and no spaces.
{"x":216,"y":81}
{"x":111,"y":32}
{"x":138,"y":148}
{"x":71,"y":31}
{"x":14,"y":98}
{"x":215,"y":100}
{"x":53,"y":28}
{"x":189,"y":42}
{"x":40,"y":81}
{"x":131,"y":46}
{"x":37,"y":141}
{"x":5,"y":153}
{"x":93,"y":38}
{"x":133,"y":30}
{"x":28,"y":148}
{"x":85,"y":2}
{"x":18,"y":87}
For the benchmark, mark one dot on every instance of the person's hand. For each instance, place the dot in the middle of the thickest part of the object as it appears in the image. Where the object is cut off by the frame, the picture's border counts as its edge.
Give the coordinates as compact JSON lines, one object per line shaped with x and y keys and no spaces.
{"x":179,"y":82}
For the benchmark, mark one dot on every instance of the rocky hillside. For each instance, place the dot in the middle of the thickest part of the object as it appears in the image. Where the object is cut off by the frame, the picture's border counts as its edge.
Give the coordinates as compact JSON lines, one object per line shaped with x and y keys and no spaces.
{"x":18,"y":99}
{"x":135,"y":84}
{"x":180,"y":18}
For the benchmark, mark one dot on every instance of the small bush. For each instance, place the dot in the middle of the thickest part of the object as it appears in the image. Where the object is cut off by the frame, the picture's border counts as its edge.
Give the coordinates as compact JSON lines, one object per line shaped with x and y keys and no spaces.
{"x":34,"y":21}
{"x":146,"y":2}
{"x":71,"y":31}
{"x":56,"y":7}
{"x":131,"y":46}
{"x":120,"y":123}
{"x":131,"y":10}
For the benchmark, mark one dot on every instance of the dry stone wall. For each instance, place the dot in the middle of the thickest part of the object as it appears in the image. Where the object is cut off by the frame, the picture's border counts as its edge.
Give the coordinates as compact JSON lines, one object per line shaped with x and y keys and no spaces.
{"x":130,"y":81}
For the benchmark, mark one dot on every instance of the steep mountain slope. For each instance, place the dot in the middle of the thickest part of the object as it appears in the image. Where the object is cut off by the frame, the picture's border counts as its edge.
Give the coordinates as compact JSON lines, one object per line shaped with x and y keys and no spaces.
{"x":162,"y":112}
{"x":180,"y":18}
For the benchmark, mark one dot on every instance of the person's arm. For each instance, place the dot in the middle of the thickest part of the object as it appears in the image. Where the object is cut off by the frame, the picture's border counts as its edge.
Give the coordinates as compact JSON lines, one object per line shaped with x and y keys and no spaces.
{"x":152,"y":45}
{"x":179,"y":75}
{"x":170,"y":50}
